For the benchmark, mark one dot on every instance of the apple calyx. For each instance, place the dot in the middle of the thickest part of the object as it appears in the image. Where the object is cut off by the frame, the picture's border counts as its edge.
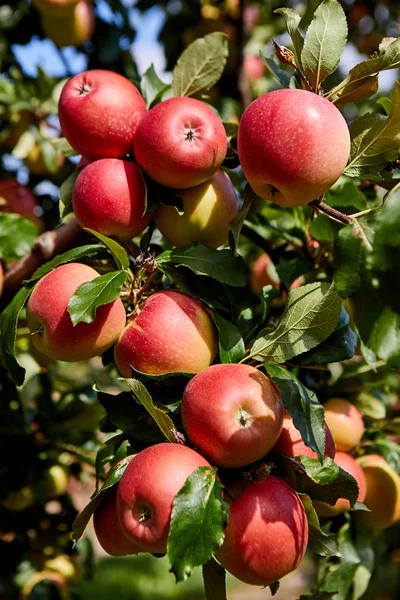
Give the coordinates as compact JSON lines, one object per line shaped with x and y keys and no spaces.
{"x":244,"y":418}
{"x":83,"y":89}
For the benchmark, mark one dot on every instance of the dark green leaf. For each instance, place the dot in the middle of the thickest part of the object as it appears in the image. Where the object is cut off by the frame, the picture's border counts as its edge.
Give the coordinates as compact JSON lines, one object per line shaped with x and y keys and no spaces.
{"x":346,"y":194}
{"x":17,"y":236}
{"x":292,"y":21}
{"x":90,"y":295}
{"x":163,"y":421}
{"x":348,"y":257}
{"x":151,"y":86}
{"x":289,"y":270}
{"x":321,"y":229}
{"x":65,"y":194}
{"x":214,"y":580}
{"x":323,"y":544}
{"x":231,"y":129}
{"x":275,"y":68}
{"x":326,"y":481}
{"x":364,"y":545}
{"x":106,"y":453}
{"x":199,"y":516}
{"x":237,"y":223}
{"x":231,"y":344}
{"x":8,"y":328}
{"x":71,"y":255}
{"x":119,"y":253}
{"x":340,"y":574}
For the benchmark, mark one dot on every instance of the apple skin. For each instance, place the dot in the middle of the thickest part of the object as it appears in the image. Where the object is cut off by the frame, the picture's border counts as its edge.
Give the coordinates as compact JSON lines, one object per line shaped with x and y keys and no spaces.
{"x":349,"y":464}
{"x":180,"y":143}
{"x":108,"y":528}
{"x":172,"y":333}
{"x":290,"y":442}
{"x":99,"y":112}
{"x":47,"y":310}
{"x":71,"y":29}
{"x":147,"y":489}
{"x":55,"y":7}
{"x":345,"y":422}
{"x":263,"y":273}
{"x":110,"y":197}
{"x":293,"y":145}
{"x":208,"y":210}
{"x":383,"y":492}
{"x":253,"y":67}
{"x":19,"y":199}
{"x":232,"y":413}
{"x":267,"y":533}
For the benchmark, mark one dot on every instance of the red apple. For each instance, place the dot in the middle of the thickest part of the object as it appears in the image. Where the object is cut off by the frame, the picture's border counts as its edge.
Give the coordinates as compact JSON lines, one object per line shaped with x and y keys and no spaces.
{"x":50,"y":323}
{"x":345,"y":422}
{"x":172,"y":333}
{"x":263,"y":273}
{"x":70,"y":29}
{"x":267,"y":533}
{"x":290,"y":442}
{"x":253,"y":67}
{"x":110,"y":197}
{"x":232,"y":413}
{"x":208,"y":210}
{"x":108,"y":529}
{"x":180,"y":143}
{"x":147,"y":489}
{"x":19,"y":199}
{"x":55,"y":7}
{"x":383,"y":492}
{"x":99,"y":112}
{"x":293,"y":145}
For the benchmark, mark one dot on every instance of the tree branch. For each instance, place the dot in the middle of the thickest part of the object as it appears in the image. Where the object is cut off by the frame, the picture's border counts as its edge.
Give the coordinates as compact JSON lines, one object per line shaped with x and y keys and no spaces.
{"x":331,"y":212}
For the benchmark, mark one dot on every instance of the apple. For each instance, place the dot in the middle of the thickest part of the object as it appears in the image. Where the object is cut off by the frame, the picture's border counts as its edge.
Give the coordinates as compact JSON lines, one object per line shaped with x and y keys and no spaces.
{"x":290,"y":442}
{"x":293,"y":145}
{"x":180,"y":143}
{"x":232,"y":413}
{"x":55,"y":7}
{"x":72,"y":29}
{"x":349,"y":464}
{"x":263,"y":273}
{"x":110,"y":197}
{"x":208,"y":209}
{"x":253,"y":67}
{"x":99,"y":112}
{"x":55,"y":481}
{"x":345,"y":422}
{"x":383,"y":492}
{"x":35,"y":163}
{"x":267,"y":533}
{"x":50,"y":323}
{"x":19,"y":199}
{"x":19,"y":500}
{"x":147,"y":489}
{"x":171,"y":333}
{"x":108,"y":529}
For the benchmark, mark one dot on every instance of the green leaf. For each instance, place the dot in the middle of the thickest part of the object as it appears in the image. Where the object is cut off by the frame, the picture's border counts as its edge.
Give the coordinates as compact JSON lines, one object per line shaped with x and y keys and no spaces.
{"x":106,"y":453}
{"x":198,"y":518}
{"x":369,"y":405}
{"x":118,"y":252}
{"x":348,"y":257}
{"x":102,"y":290}
{"x":375,"y":141}
{"x":346,"y":193}
{"x":201,"y":65}
{"x":325,"y":41}
{"x":303,"y":406}
{"x":364,"y":75}
{"x":321,"y":229}
{"x":292,"y":22}
{"x":231,"y":344}
{"x":151,"y":86}
{"x":17,"y":236}
{"x":274,"y":67}
{"x":49,"y":155}
{"x":231,"y":129}
{"x":364,"y":544}
{"x":237,"y":223}
{"x":323,"y":544}
{"x":214,"y":576}
{"x":385,"y":338}
{"x":71,"y":255}
{"x":221,"y":265}
{"x":326,"y":481}
{"x":311,"y":315}
{"x":65,"y":194}
{"x":8,"y":328}
{"x":163,"y":421}
{"x":340,"y":573}
{"x":63,"y":146}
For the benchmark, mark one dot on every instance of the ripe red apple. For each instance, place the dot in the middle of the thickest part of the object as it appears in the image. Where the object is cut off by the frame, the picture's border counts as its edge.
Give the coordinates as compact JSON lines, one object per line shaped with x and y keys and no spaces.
{"x":263,"y":273}
{"x":99,"y":112}
{"x":50,"y":323}
{"x":349,"y":464}
{"x":232,"y":413}
{"x":108,"y":528}
{"x":383,"y":492}
{"x":110,"y":197}
{"x":293,"y":145}
{"x":180,"y":143}
{"x":253,"y":67}
{"x":208,"y":210}
{"x":19,"y":199}
{"x":70,"y":29}
{"x":172,"y":333}
{"x":55,"y":7}
{"x":290,"y":442}
{"x":147,"y":489}
{"x":267,"y":533}
{"x":345,"y":422}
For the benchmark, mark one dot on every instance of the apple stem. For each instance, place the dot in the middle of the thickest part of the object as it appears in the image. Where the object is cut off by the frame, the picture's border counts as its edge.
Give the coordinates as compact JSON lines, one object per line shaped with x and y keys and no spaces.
{"x":331,"y":212}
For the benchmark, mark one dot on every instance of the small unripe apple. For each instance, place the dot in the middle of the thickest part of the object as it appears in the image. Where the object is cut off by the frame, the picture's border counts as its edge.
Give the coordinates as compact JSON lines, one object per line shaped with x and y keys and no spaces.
{"x":19,"y":199}
{"x":108,"y":528}
{"x":99,"y":112}
{"x":55,"y":481}
{"x":232,"y":413}
{"x":56,"y":8}
{"x":147,"y":489}
{"x":293,"y":145}
{"x":290,"y":442}
{"x":50,"y":323}
{"x":19,"y":500}
{"x":172,"y":333}
{"x":70,"y":29}
{"x":180,"y":143}
{"x":267,"y":533}
{"x":208,"y":209}
{"x":383,"y":492}
{"x":345,"y":422}
{"x":110,"y":197}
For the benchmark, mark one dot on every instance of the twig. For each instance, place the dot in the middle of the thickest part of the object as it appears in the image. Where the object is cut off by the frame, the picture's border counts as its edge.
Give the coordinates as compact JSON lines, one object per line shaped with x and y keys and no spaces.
{"x":331,"y":212}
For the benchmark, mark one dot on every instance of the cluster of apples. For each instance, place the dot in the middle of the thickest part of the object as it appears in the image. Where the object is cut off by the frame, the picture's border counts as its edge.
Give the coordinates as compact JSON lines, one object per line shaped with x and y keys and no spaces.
{"x":66,"y":22}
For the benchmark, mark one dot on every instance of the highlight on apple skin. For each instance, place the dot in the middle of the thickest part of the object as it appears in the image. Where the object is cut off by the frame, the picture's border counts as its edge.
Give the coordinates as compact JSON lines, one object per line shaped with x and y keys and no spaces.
{"x":293,"y":146}
{"x":49,"y":321}
{"x":345,"y":422}
{"x":180,"y":143}
{"x":99,"y":112}
{"x":267,"y":533}
{"x":290,"y":443}
{"x":147,"y":489}
{"x":172,"y":333}
{"x":110,"y":197}
{"x":208,"y":209}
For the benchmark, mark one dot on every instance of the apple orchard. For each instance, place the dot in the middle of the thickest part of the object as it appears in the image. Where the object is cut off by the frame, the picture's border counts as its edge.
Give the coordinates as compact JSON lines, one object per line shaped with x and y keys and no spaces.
{"x":205,"y":327}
